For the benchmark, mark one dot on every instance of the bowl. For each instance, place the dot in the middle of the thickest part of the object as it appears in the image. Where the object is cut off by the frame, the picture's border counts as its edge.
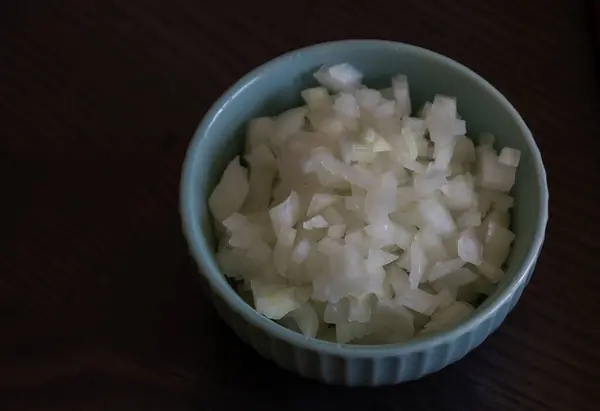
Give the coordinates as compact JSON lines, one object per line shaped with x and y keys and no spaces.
{"x":275,"y":87}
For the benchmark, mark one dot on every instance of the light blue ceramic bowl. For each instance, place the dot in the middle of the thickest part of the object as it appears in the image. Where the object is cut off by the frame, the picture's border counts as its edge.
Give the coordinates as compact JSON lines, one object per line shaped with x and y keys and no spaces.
{"x":276,"y":86}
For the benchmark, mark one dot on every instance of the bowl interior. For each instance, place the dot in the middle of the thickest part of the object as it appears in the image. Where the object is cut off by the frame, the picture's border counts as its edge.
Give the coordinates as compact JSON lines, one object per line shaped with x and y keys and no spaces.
{"x":276,"y":86}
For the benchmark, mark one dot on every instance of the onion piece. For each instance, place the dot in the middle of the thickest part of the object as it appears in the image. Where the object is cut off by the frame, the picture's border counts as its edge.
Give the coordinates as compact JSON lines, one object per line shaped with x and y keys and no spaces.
{"x":283,"y":249}
{"x":437,"y":216}
{"x":348,"y":331}
{"x":321,"y":201}
{"x":339,"y":77}
{"x":301,"y":251}
{"x":286,"y":214}
{"x":316,"y":222}
{"x":510,"y":157}
{"x":317,"y":98}
{"x":307,"y":320}
{"x":443,"y":268}
{"x":401,"y":95}
{"x":455,"y":280}
{"x":275,"y":301}
{"x":346,"y":105}
{"x":260,"y":131}
{"x":336,"y":231}
{"x":497,"y":244}
{"x":470,"y":249}
{"x":360,"y":309}
{"x":229,"y":195}
{"x":447,"y":317}
{"x":418,"y":265}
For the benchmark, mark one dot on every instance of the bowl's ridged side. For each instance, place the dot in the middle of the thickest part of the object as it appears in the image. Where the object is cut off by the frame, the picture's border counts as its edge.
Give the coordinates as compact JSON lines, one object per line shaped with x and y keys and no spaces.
{"x":366,"y":371}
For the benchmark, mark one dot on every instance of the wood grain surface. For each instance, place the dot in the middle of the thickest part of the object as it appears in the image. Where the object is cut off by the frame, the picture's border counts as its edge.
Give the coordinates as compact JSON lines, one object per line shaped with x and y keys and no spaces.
{"x":99,"y":309}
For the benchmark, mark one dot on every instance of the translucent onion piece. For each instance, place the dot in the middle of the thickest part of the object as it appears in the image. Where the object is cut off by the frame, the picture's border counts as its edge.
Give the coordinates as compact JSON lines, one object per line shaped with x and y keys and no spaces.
{"x":275,"y":301}
{"x":339,"y":77}
{"x":286,"y":214}
{"x":229,"y":195}
{"x":401,"y":95}
{"x":260,"y":131}
{"x":283,"y":249}
{"x":437,"y":216}
{"x":455,"y":280}
{"x":510,"y":157}
{"x":418,"y":264}
{"x":443,"y":268}
{"x":446,"y":317}
{"x":317,"y":221}
{"x":317,"y":98}
{"x":346,"y":105}
{"x":307,"y":320}
{"x":470,"y":249}
{"x":348,"y":331}
{"x":321,"y":201}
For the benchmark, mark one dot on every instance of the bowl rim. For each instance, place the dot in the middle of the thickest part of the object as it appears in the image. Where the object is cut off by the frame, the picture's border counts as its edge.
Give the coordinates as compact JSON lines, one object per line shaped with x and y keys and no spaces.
{"x":202,"y":252}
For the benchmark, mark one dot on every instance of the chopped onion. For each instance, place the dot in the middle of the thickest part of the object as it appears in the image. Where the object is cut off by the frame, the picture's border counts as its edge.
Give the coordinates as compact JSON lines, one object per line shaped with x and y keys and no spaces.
{"x":275,"y":301}
{"x":321,"y":201}
{"x":346,"y":105}
{"x":229,"y":195}
{"x":260,"y":131}
{"x":307,"y":320}
{"x":348,"y":331}
{"x":288,"y":123}
{"x":447,"y":317}
{"x":360,"y":309}
{"x":510,"y":157}
{"x":454,"y":280}
{"x":401,"y":95}
{"x":339,"y":77}
{"x":392,"y":323}
{"x":283,"y":249}
{"x":301,"y":251}
{"x":418,"y":264}
{"x":317,"y":98}
{"x":443,"y":268}
{"x":469,"y":247}
{"x":437,"y":216}
{"x":336,"y":231}
{"x":286,"y":214}
{"x":355,"y":214}
{"x":316,"y":222}
{"x":337,"y":312}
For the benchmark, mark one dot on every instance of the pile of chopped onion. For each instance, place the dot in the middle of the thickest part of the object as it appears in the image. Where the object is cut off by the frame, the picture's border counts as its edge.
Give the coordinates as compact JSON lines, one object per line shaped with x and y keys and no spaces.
{"x":349,"y":220}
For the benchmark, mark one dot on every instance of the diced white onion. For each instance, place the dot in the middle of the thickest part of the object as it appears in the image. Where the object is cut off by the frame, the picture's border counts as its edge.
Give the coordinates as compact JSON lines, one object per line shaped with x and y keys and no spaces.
{"x":437,"y":216}
{"x":275,"y":301}
{"x":510,"y":157}
{"x":339,"y":77}
{"x":443,"y":268}
{"x":470,"y":249}
{"x":260,"y":131}
{"x":307,"y":320}
{"x":316,"y":222}
{"x":336,"y":231}
{"x":352,"y":213}
{"x":321,"y":201}
{"x":229,"y":195}
{"x":286,"y":214}
{"x":317,"y":98}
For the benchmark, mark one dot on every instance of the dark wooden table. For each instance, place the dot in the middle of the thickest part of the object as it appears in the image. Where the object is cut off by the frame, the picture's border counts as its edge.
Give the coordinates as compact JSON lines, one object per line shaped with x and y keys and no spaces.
{"x":99,"y":309}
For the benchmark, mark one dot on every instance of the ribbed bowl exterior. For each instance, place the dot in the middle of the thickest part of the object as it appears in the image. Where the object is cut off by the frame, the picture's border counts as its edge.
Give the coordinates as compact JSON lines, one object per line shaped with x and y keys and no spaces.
{"x":368,"y":371}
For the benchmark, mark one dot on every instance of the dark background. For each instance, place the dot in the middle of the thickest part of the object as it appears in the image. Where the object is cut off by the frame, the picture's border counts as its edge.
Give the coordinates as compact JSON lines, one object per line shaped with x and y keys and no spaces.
{"x":98,"y":100}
